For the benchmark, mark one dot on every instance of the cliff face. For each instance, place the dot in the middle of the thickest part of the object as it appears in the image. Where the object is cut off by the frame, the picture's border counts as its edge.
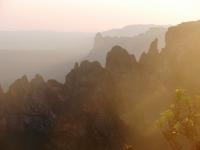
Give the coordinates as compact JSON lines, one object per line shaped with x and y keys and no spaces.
{"x":182,"y":53}
{"x":135,"y":45}
{"x":102,"y":107}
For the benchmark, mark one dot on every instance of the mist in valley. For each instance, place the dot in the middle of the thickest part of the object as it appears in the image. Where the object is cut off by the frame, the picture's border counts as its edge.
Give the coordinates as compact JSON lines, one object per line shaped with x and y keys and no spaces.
{"x":51,"y":54}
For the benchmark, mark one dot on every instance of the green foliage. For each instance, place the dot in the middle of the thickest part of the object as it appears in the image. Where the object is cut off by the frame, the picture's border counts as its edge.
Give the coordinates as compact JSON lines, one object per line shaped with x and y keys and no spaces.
{"x":181,"y":122}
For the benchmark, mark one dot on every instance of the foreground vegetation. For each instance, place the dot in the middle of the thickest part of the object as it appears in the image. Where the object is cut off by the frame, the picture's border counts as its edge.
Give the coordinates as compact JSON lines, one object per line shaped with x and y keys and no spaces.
{"x":180,"y":123}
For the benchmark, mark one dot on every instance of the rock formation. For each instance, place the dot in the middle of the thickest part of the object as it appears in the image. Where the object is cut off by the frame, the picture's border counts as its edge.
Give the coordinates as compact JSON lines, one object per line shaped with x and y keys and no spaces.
{"x":102,"y":107}
{"x":134,"y":45}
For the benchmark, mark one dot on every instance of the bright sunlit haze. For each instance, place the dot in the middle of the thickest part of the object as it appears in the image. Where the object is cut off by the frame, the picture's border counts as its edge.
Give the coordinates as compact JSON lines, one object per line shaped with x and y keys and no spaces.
{"x":93,"y":15}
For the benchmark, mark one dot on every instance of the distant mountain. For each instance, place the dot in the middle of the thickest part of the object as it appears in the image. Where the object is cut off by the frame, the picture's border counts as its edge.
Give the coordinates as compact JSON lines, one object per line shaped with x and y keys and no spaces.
{"x":52,"y":54}
{"x":135,"y":44}
{"x":130,"y":30}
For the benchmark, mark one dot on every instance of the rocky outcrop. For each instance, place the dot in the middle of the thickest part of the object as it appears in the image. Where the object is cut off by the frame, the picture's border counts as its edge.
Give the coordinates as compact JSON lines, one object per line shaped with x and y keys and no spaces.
{"x":81,"y":109}
{"x":134,"y":44}
{"x":181,"y":55}
{"x":150,"y":61}
{"x":118,"y":60}
{"x":90,"y":119}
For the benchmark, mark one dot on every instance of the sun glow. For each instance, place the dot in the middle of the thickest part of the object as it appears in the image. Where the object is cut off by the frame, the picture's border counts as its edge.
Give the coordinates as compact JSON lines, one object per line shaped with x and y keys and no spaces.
{"x":93,"y":15}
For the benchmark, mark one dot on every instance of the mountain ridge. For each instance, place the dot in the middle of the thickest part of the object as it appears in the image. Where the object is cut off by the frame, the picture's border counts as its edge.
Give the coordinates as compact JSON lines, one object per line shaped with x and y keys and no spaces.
{"x":104,"y":107}
{"x":135,"y":44}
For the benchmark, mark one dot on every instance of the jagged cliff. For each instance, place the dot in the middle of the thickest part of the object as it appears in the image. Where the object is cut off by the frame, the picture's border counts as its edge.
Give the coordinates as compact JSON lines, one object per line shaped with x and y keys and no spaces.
{"x":102,"y":107}
{"x":134,"y":45}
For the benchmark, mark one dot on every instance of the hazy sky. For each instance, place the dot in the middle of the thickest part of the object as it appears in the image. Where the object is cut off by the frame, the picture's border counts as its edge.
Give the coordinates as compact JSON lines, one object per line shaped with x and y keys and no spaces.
{"x":93,"y":15}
